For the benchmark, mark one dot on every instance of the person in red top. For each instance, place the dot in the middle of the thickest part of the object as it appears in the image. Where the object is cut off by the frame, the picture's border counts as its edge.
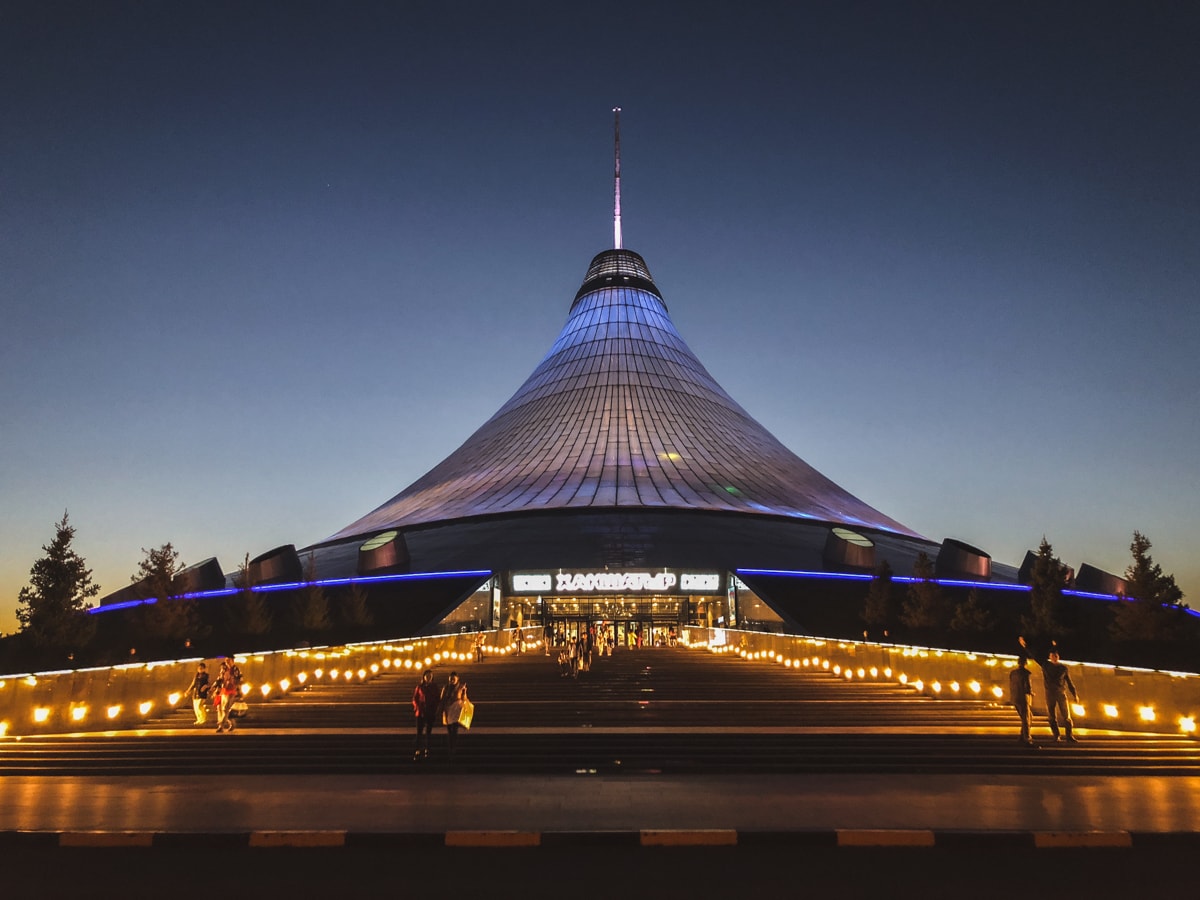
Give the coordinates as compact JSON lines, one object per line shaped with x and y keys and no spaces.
{"x":229,"y":689}
{"x":425,"y":703}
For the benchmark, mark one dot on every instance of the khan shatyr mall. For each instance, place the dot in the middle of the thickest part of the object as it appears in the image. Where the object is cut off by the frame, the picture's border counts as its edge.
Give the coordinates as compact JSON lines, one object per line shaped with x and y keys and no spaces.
{"x":620,"y":485}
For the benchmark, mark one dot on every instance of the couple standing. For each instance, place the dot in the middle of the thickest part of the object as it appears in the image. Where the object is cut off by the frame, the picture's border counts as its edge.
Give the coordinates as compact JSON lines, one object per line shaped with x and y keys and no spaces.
{"x":223,"y":693}
{"x":1058,"y":684}
{"x":434,"y":705}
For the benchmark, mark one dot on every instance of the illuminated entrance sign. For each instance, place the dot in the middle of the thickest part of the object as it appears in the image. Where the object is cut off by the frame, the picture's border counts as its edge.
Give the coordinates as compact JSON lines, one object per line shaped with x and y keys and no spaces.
{"x":531,"y":584}
{"x":574,"y":582}
{"x":699,"y":584}
{"x":614,"y":582}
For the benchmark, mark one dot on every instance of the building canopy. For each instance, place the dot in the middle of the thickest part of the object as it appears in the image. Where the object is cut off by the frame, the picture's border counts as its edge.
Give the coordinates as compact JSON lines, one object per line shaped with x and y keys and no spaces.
{"x":620,"y":414}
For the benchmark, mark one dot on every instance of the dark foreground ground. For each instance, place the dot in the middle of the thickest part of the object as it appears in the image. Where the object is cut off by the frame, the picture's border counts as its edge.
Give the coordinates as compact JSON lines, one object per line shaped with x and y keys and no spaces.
{"x":778,"y":870}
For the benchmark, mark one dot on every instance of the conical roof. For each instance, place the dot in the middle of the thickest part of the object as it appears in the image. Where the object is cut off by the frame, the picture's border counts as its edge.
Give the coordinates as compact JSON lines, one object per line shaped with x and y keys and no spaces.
{"x":620,"y":415}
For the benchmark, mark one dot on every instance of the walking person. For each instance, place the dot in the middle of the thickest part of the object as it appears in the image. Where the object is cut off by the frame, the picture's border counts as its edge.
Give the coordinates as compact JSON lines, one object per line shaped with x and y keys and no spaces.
{"x":426,"y":702}
{"x":453,"y":695}
{"x":229,"y":684}
{"x":572,"y":652}
{"x":1020,"y":688}
{"x":218,"y":695}
{"x":581,"y":661}
{"x":1056,"y":678}
{"x":198,"y":691}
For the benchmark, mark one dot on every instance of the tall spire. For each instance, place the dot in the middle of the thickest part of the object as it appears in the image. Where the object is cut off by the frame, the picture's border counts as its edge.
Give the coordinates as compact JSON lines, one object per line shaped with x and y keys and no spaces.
{"x":617,"y":177}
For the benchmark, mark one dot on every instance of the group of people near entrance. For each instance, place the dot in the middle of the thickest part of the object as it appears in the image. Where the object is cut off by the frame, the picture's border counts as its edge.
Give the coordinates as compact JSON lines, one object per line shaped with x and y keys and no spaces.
{"x":575,"y":655}
{"x":1056,"y":679}
{"x":220,"y":694}
{"x":439,"y":704}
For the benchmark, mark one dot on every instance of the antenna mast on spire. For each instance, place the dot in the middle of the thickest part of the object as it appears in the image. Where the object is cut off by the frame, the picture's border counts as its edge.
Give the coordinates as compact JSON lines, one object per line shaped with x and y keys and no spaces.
{"x":617,"y":177}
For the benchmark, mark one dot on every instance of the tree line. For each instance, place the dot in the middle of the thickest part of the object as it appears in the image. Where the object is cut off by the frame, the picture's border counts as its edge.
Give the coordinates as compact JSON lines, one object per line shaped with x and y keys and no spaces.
{"x":56,"y":629}
{"x":1147,"y":625}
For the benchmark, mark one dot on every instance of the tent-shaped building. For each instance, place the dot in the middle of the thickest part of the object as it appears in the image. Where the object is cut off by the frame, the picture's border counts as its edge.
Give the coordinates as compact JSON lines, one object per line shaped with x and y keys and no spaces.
{"x":620,"y":484}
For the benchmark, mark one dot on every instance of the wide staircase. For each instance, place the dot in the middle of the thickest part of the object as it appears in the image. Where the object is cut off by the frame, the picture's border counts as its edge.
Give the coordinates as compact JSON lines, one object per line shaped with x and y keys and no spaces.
{"x":655,"y":710}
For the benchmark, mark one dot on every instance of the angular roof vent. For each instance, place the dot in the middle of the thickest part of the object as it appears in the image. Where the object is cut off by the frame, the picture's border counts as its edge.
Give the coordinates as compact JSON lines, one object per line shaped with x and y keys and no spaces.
{"x":1096,"y":581}
{"x":846,"y":549}
{"x":1025,"y":573}
{"x":959,"y":560}
{"x":386,"y":552}
{"x":278,"y":566}
{"x":201,"y":576}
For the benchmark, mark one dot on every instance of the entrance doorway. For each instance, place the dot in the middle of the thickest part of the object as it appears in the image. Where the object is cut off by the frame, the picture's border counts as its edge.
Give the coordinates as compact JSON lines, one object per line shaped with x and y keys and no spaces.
{"x":622,"y":621}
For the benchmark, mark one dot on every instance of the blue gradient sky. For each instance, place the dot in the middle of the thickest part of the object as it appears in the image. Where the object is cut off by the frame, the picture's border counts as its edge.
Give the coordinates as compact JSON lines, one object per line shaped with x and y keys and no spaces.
{"x":263,"y":265}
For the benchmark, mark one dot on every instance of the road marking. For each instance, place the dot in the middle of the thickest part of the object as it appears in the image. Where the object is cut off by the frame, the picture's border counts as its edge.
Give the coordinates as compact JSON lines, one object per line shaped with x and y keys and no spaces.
{"x":714,"y":837}
{"x":493,"y":838}
{"x":892,"y":837}
{"x":1082,"y":839}
{"x":106,"y":839}
{"x":297,"y":839}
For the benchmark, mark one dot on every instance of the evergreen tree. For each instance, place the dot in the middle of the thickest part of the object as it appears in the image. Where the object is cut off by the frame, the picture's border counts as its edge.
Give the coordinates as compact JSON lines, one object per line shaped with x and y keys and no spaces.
{"x":247,"y":612}
{"x":164,"y":620}
{"x":879,"y":610}
{"x":972,"y":617}
{"x":52,"y":609}
{"x":309,"y":611}
{"x":925,"y":607}
{"x":1047,"y":580}
{"x":1146,"y":613}
{"x":354,"y":609}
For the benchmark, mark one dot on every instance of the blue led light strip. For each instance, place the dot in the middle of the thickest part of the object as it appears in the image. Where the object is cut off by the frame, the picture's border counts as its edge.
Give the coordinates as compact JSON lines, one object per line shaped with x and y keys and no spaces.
{"x":898,"y":579}
{"x":830,"y":576}
{"x":294,"y":585}
{"x":908,"y":579}
{"x":126,"y":604}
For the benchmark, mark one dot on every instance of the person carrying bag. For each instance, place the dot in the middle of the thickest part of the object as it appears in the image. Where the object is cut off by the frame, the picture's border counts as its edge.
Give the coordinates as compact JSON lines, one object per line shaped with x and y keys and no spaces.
{"x":229,"y":693}
{"x":457,"y":710}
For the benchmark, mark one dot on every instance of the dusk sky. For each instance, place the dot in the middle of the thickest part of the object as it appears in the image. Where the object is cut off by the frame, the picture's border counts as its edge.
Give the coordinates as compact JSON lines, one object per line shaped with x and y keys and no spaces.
{"x":262,"y":265}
